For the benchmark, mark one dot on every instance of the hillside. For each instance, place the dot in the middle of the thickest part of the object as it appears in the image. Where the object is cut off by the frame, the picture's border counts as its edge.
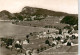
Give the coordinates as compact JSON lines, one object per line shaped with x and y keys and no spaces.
{"x":40,"y":11}
{"x":5,"y":15}
{"x":36,"y":17}
{"x":27,"y":12}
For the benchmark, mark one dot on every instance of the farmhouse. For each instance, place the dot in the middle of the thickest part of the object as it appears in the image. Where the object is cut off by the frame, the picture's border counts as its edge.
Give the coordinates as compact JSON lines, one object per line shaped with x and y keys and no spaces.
{"x":25,"y":42}
{"x":64,"y":31}
{"x":69,"y":43}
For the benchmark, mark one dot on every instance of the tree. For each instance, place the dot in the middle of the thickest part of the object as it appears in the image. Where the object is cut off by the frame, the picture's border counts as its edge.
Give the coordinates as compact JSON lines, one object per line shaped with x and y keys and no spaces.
{"x":28,"y":40}
{"x":47,"y":42}
{"x":13,"y":18}
{"x":69,"y":44}
{"x":27,"y":36}
{"x":58,"y":38}
{"x":71,"y":20}
{"x":38,"y":50}
{"x":60,"y":31}
{"x":9,"y":42}
{"x":18,"y":46}
{"x":18,"y":16}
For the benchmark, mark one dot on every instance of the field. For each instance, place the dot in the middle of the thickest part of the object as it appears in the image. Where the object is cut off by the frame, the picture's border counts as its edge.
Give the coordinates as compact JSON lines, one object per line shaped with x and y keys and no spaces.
{"x":9,"y":29}
{"x":49,"y":22}
{"x":63,"y":50}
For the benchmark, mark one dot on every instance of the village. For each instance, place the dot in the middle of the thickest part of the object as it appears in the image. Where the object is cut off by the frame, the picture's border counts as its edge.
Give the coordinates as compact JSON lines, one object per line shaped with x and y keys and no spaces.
{"x":36,"y":43}
{"x":38,"y":31}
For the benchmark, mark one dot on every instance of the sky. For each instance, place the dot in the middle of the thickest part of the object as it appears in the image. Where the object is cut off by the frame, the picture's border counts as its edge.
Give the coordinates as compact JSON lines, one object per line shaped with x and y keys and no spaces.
{"x":68,"y":6}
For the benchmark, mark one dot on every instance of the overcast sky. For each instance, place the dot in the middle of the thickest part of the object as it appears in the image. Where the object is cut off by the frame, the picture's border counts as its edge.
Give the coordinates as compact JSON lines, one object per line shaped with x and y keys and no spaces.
{"x":69,"y":6}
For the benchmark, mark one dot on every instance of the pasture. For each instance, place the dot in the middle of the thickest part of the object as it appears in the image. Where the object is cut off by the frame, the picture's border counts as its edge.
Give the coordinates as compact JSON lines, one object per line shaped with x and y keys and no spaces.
{"x":16,"y":31}
{"x":7,"y":29}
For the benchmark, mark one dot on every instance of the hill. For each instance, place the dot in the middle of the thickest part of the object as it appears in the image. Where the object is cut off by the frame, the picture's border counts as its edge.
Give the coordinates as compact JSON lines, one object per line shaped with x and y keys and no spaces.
{"x":40,"y":11}
{"x":27,"y":12}
{"x":5,"y":15}
{"x":36,"y":17}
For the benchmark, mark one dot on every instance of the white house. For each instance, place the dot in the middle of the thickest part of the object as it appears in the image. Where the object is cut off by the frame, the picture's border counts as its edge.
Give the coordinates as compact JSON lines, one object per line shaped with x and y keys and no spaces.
{"x":28,"y":52}
{"x":76,"y":34}
{"x":25,"y":42}
{"x":64,"y":31}
{"x":34,"y":52}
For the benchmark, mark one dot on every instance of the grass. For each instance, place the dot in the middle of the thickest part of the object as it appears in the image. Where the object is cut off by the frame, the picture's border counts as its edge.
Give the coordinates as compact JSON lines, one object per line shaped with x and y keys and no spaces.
{"x":63,"y":50}
{"x":17,"y":31}
{"x":7,"y":29}
{"x":48,"y":21}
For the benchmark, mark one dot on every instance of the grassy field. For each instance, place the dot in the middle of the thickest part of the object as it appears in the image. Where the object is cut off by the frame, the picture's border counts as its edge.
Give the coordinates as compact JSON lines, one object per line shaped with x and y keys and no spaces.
{"x":48,"y":21}
{"x":9,"y":29}
{"x":63,"y":50}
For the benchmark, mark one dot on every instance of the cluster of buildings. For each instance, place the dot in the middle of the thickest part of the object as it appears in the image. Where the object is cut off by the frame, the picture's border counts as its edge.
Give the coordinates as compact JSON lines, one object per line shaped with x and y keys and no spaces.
{"x":54,"y":35}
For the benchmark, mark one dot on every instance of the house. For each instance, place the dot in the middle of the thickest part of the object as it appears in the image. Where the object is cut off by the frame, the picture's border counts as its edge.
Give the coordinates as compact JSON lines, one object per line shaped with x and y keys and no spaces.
{"x":21,"y":54}
{"x":54,"y":42}
{"x":64,"y":31}
{"x":59,"y":35}
{"x":34,"y":52}
{"x":28,"y":52}
{"x":44,"y":33}
{"x":75,"y":33}
{"x":69,"y":43}
{"x":18,"y":42}
{"x":25,"y":42}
